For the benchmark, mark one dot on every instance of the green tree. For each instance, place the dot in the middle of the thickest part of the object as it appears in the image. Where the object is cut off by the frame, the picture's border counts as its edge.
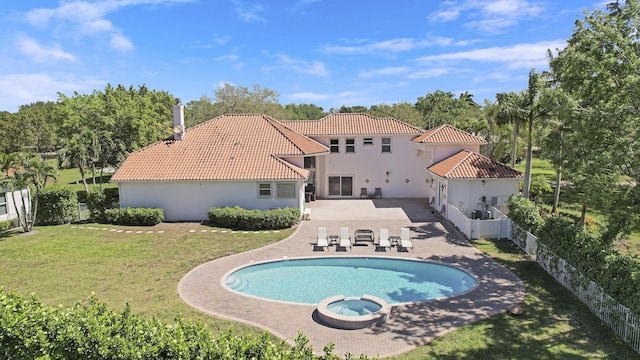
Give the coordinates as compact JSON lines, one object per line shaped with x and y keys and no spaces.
{"x":432,"y":106}
{"x":599,"y":70}
{"x":201,"y":110}
{"x":241,"y":100}
{"x":402,"y":111}
{"x":304,"y":112}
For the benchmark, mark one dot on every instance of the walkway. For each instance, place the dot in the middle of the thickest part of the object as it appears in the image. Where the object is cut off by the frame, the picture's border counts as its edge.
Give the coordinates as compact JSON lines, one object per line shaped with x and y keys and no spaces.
{"x":409,"y":326}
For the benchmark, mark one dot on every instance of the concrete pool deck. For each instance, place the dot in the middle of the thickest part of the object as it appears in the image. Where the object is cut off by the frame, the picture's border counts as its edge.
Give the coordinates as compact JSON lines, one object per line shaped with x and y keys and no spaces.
{"x":410,"y":325}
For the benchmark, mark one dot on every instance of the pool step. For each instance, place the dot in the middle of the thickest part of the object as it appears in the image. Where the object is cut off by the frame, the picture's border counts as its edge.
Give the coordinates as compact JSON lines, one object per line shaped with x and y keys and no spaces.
{"x":236,"y":282}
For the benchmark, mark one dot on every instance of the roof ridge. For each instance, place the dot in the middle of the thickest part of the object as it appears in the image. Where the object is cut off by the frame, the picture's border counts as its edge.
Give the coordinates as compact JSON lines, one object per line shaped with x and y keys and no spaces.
{"x":277,"y":124}
{"x":469,"y":154}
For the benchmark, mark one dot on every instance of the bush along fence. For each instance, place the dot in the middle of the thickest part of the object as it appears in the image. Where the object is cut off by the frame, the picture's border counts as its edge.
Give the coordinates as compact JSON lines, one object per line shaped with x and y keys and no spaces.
{"x":620,"y":318}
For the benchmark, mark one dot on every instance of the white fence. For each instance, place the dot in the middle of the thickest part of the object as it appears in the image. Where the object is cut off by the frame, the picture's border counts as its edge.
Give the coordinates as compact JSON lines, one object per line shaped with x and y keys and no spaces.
{"x":621,"y":320}
{"x":498,"y":227}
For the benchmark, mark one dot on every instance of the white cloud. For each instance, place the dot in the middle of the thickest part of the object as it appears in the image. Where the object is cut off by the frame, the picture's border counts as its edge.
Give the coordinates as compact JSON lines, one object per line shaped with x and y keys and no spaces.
{"x":120,"y":42}
{"x":21,"y":89}
{"x":517,"y":56}
{"x":488,"y":15}
{"x":398,"y":70}
{"x":84,"y":18}
{"x":41,"y":54}
{"x":227,"y":58}
{"x":428,"y":73}
{"x":249,"y":13}
{"x":309,"y":67}
{"x":379,"y":48}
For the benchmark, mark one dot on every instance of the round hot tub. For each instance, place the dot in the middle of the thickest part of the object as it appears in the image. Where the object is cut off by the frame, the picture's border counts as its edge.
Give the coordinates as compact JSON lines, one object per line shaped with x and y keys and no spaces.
{"x":353,"y":312}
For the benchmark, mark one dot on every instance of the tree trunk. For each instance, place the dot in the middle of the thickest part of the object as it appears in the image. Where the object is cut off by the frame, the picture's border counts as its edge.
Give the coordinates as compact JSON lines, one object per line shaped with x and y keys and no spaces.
{"x":556,"y":193}
{"x":84,"y":179}
{"x":528,"y":165}
{"x":583,"y":217}
{"x":516,"y":129}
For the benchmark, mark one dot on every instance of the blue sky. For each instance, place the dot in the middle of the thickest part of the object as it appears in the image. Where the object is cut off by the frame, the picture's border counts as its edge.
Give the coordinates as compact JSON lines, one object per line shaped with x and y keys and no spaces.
{"x":326,"y":52}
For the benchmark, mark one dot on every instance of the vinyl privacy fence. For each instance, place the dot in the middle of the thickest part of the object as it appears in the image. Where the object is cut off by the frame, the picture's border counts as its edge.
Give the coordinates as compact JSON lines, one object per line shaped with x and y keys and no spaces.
{"x":622,"y":321}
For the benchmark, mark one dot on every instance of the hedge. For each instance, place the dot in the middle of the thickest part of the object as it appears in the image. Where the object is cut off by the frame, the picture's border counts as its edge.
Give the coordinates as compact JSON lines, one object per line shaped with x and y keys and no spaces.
{"x":57,"y":205}
{"x":618,"y":274}
{"x":134,"y":216}
{"x":6,"y":225}
{"x":98,"y":201}
{"x":237,"y":218}
{"x":32,"y":330}
{"x":525,"y":213}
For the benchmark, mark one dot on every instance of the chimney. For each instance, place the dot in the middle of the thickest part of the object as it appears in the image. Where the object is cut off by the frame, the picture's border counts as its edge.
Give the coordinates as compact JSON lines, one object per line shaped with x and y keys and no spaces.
{"x":178,"y":120}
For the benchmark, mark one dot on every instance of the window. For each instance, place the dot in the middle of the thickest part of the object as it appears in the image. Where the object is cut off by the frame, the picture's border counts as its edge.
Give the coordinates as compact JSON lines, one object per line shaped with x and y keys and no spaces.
{"x":264,"y":189}
{"x":351,"y":146}
{"x":3,"y":203}
{"x":367,"y":141}
{"x":335,"y":145}
{"x":286,"y":190}
{"x":386,"y":145}
{"x":310,"y":162}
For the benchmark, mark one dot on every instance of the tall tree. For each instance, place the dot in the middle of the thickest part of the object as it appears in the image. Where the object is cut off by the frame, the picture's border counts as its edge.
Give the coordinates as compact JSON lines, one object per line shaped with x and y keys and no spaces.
{"x":402,"y":111}
{"x":511,"y":112}
{"x":241,"y":100}
{"x":432,"y":106}
{"x":599,"y":69}
{"x":304,"y":112}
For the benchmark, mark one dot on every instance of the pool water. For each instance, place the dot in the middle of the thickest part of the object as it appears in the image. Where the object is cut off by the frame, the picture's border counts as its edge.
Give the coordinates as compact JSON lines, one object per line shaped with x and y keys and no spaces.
{"x":310,"y":280}
{"x":354,"y":307}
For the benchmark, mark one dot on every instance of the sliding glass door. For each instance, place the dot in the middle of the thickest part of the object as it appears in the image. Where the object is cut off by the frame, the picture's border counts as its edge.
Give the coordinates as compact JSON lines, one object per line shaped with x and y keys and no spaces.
{"x":340,"y":186}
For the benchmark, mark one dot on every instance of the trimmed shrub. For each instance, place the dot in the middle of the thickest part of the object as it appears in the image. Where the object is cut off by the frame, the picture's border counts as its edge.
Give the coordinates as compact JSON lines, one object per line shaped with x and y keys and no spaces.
{"x":98,"y":201}
{"x":57,"y":205}
{"x":525,"y":213}
{"x":110,"y":192}
{"x":6,"y":225}
{"x":134,"y":216}
{"x":32,"y":330}
{"x":238,"y":218}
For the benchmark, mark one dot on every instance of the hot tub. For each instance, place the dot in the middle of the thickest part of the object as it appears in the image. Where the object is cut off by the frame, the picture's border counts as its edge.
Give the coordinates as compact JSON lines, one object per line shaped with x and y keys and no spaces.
{"x":353,"y":312}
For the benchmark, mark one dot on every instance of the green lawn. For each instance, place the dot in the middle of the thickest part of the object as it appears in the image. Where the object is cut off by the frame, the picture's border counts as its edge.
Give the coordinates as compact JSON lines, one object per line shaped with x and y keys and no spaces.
{"x":62,"y":265}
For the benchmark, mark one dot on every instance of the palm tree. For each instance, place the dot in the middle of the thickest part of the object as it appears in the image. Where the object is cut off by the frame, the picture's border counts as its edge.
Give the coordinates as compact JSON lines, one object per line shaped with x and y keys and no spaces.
{"x":511,"y":110}
{"x":76,"y":153}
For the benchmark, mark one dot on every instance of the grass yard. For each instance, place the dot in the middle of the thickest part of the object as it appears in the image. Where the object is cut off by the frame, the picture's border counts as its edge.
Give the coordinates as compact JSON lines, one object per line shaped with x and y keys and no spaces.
{"x":555,"y":324}
{"x":64,"y":264}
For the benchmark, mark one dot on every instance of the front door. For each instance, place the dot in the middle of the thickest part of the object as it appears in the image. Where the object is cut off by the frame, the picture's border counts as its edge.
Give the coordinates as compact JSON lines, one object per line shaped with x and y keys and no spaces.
{"x":340,"y":186}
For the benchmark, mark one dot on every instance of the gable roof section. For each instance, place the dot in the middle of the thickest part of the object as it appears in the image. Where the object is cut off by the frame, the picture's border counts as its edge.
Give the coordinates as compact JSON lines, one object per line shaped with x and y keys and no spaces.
{"x":351,"y":124}
{"x":228,"y":147}
{"x":471,"y":165}
{"x":447,"y":134}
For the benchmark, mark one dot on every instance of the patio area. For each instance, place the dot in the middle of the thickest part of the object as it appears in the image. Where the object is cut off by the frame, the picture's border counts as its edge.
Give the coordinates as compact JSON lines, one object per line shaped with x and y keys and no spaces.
{"x":409,"y":326}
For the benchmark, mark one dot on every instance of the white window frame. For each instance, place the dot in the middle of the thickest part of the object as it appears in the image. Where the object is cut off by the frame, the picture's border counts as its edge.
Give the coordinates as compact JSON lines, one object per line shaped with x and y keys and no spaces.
{"x":367,"y":141}
{"x":386,"y":145}
{"x":334,"y":144}
{"x":262,"y":186}
{"x":350,"y":145}
{"x":4,"y":206}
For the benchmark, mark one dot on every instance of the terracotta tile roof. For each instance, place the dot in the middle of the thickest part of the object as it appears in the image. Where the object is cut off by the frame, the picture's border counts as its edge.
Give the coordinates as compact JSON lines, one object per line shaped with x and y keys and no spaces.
{"x":229,"y":147}
{"x":471,"y":165}
{"x":352,"y":124}
{"x":447,"y":134}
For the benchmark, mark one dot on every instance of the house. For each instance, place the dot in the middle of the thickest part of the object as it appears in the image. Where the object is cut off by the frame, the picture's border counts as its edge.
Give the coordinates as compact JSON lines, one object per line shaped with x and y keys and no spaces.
{"x":258,"y":162}
{"x":458,"y":174}
{"x":8,"y":201}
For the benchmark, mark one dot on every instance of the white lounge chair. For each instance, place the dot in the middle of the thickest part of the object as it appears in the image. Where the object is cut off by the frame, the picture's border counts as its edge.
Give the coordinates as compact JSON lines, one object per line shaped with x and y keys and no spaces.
{"x":322,"y":241}
{"x":383,"y":240}
{"x":405,"y":239}
{"x":345,"y":239}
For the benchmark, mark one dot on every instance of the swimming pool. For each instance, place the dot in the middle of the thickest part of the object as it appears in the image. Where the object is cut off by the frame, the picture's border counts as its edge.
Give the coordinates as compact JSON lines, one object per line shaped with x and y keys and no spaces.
{"x":309,"y":280}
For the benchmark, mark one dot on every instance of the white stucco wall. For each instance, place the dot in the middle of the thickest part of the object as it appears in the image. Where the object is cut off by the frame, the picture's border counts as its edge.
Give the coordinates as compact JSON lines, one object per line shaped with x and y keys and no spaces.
{"x":368,"y":166}
{"x":443,"y":151}
{"x":466,"y":194}
{"x":190,"y":200}
{"x":20,"y":197}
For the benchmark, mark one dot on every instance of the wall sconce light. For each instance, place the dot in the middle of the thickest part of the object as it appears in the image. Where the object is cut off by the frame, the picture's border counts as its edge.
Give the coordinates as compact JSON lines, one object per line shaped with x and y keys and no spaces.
{"x":387,"y":174}
{"x":483,"y":182}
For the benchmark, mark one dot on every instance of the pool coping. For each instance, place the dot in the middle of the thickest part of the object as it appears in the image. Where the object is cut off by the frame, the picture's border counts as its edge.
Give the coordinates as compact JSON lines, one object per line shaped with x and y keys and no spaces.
{"x":410,"y":324}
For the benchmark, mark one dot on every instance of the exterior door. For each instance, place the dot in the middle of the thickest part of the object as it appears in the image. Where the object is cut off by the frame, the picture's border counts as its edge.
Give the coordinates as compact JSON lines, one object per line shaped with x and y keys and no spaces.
{"x":340,"y":186}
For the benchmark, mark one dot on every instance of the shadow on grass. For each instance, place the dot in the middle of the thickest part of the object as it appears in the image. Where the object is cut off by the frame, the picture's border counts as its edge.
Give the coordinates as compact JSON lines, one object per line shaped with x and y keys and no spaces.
{"x":555,"y":324}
